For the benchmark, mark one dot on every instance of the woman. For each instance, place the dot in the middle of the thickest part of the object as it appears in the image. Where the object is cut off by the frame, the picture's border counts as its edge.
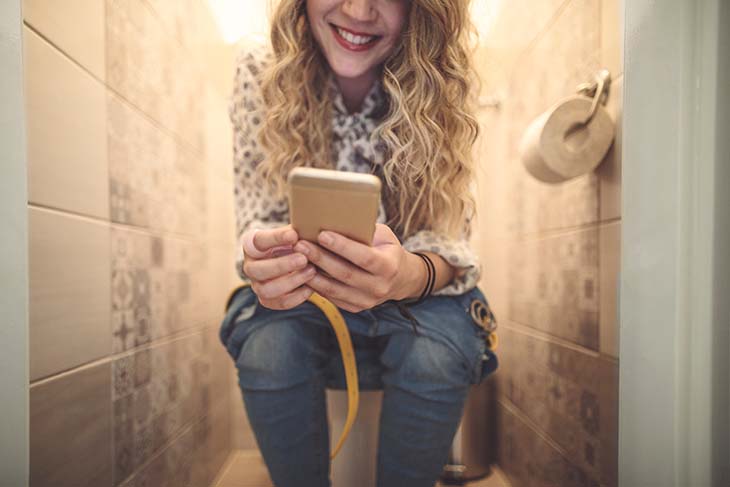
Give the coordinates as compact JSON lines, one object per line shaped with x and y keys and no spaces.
{"x":376,"y":86}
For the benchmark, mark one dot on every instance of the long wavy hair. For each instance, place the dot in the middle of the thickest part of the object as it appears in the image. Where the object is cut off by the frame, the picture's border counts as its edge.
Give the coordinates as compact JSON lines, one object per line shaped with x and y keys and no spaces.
{"x":428,"y":129}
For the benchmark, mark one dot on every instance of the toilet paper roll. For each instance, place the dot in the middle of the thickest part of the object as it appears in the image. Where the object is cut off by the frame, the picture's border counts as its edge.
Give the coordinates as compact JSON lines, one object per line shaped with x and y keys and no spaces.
{"x":556,"y":146}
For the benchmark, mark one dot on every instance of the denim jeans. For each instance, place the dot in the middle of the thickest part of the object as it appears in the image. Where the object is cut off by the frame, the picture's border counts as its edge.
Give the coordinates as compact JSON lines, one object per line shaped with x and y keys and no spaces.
{"x":286,"y":359}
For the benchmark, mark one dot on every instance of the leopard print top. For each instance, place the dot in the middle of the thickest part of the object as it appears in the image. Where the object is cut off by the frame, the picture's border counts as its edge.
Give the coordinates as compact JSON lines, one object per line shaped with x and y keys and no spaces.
{"x":353,"y":151}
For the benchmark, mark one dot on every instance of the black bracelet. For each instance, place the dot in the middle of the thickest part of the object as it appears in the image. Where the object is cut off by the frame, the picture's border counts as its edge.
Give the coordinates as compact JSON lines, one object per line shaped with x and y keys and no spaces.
{"x":430,"y":281}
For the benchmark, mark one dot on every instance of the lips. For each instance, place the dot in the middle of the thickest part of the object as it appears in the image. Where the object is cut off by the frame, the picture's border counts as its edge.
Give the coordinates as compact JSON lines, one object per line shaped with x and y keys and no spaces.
{"x":354,"y":41}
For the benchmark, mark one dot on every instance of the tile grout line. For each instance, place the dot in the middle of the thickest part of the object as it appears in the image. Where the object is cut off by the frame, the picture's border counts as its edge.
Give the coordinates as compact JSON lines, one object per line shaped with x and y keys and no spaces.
{"x":548,"y":337}
{"x":110,"y":90}
{"x":557,"y":232}
{"x":166,"y":340}
{"x":506,"y":403}
{"x":128,"y":227}
{"x":223,"y":471}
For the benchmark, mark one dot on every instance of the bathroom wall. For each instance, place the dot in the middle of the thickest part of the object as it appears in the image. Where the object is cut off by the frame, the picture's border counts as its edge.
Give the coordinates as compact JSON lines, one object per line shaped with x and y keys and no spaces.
{"x":550,"y":253}
{"x":131,"y":242}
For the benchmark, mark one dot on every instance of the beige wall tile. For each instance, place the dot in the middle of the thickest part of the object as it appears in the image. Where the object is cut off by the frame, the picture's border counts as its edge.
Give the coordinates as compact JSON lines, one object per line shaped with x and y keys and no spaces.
{"x":609,"y":264}
{"x":75,"y":26}
{"x":569,"y":393}
{"x":66,"y":112}
{"x":70,"y":429}
{"x":609,"y":172}
{"x":69,"y":291}
{"x":554,"y":286}
{"x":612,"y":36}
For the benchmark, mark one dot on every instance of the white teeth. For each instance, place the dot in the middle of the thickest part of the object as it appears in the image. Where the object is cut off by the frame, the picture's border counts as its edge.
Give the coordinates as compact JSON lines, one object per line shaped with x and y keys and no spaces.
{"x":359,"y":40}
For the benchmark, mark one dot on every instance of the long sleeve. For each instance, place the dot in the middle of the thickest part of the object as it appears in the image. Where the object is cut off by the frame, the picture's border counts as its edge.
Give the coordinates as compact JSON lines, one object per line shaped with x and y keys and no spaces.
{"x":456,"y":252}
{"x":255,"y":207}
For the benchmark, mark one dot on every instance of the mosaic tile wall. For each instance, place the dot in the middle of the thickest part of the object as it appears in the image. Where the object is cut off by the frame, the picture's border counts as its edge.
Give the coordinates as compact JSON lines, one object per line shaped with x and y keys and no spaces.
{"x":551,"y":252}
{"x":132,"y":242}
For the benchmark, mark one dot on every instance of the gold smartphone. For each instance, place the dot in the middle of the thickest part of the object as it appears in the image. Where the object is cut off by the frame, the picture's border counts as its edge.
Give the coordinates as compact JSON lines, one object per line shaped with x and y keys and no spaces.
{"x":343,"y":202}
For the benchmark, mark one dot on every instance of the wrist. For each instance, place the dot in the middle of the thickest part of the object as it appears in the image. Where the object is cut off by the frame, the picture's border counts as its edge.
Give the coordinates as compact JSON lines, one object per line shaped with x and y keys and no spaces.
{"x":416,"y":277}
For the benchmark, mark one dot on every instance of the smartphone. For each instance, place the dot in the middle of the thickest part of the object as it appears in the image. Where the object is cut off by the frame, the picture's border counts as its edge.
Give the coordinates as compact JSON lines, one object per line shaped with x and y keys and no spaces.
{"x":343,"y":202}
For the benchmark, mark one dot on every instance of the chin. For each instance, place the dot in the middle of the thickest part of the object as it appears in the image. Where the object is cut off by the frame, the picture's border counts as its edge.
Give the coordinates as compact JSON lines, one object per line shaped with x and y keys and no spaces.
{"x":349,"y":69}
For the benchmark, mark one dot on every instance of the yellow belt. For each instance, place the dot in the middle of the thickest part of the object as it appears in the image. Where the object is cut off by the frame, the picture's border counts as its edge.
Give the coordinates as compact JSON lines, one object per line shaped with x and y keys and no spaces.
{"x":348,"y":359}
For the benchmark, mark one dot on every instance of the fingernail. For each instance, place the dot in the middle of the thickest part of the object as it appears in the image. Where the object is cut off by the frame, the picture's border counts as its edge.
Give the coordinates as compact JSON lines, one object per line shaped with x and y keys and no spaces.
{"x":326,"y":238}
{"x":309,"y":271}
{"x":299,"y":260}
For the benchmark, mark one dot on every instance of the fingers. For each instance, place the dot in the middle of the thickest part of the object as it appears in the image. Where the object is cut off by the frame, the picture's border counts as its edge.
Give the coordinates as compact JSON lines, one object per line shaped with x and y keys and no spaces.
{"x":275,"y":288}
{"x":363,"y":256}
{"x":336,"y":266}
{"x":289,"y":300}
{"x":266,"y":269}
{"x":342,"y":295}
{"x":259,"y":243}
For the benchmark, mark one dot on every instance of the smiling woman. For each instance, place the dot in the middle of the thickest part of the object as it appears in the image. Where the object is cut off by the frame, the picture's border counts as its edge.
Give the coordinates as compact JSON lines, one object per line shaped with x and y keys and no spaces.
{"x":371,"y":86}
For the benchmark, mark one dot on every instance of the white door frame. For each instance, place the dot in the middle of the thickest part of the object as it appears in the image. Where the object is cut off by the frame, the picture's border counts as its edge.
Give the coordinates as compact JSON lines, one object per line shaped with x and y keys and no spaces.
{"x":13,"y":253}
{"x":675,"y":269}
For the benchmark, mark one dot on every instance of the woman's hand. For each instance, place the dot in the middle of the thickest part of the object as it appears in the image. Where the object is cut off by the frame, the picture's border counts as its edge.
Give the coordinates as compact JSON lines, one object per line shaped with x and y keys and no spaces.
{"x":278,"y":275}
{"x":360,"y":277}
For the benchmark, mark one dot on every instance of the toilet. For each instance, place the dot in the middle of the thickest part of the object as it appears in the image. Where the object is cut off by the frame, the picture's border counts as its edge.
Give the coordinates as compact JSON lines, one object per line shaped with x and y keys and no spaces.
{"x":355,"y":464}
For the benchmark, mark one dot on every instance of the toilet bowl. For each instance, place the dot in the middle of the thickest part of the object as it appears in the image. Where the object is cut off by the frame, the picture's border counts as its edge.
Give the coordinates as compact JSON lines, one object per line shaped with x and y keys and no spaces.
{"x":355,"y":464}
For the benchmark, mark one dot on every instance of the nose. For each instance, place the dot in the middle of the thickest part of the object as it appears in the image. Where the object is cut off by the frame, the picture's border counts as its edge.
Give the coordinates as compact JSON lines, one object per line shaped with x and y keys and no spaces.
{"x":361,"y":10}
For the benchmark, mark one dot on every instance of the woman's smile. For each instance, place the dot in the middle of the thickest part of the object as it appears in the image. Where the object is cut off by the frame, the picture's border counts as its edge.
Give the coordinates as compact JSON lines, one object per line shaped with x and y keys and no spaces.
{"x":354,"y":41}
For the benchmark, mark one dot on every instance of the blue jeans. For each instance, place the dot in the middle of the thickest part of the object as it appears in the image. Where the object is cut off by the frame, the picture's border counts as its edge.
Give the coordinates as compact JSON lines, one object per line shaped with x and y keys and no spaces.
{"x":286,"y":359}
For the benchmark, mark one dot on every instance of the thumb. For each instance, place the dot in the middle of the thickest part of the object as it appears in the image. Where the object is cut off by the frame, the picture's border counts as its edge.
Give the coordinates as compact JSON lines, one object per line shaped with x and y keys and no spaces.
{"x":384,"y":235}
{"x":263,"y":243}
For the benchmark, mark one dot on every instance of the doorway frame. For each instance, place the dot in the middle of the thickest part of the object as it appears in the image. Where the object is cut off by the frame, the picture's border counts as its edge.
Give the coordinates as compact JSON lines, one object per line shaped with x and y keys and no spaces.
{"x":675,"y":268}
{"x":14,"y":454}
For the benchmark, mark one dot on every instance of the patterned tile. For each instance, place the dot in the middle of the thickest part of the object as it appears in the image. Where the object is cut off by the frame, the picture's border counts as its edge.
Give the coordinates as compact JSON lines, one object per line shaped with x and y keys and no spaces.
{"x":159,"y":392}
{"x":151,"y":301}
{"x":554,"y":286}
{"x":569,"y":395}
{"x":529,"y":460}
{"x":155,"y":181}
{"x":151,"y":70}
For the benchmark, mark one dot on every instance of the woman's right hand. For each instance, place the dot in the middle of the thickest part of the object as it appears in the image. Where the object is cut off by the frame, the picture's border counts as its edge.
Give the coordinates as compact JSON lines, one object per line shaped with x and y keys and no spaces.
{"x":278,"y":274}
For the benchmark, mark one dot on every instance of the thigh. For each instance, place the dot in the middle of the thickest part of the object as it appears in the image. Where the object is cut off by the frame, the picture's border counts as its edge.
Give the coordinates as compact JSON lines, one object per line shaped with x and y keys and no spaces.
{"x":448,"y":338}
{"x":275,"y":349}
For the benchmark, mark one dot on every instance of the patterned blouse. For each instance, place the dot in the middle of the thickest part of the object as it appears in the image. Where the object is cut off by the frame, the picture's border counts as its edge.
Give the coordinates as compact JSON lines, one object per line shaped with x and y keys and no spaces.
{"x":353,"y":151}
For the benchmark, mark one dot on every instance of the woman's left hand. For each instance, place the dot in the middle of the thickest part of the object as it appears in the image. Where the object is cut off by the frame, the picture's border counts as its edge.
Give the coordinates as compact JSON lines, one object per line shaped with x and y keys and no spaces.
{"x":359,"y":276}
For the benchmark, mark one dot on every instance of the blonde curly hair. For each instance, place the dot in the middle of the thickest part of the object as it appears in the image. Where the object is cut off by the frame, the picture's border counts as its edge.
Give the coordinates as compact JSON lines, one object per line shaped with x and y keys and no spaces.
{"x":428,"y":130}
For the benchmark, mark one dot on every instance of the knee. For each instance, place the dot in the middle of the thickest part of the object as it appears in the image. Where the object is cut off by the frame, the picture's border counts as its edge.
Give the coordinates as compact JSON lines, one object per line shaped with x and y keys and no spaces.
{"x":424,"y":363}
{"x":281,"y":354}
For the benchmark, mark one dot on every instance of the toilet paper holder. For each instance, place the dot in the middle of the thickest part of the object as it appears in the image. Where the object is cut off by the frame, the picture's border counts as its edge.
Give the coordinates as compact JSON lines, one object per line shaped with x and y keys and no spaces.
{"x":572,"y":137}
{"x":598,"y":90}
